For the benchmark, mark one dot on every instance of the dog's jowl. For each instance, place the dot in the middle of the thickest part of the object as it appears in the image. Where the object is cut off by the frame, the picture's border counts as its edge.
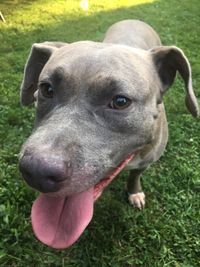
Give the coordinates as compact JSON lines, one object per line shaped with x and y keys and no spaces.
{"x":99,"y":109}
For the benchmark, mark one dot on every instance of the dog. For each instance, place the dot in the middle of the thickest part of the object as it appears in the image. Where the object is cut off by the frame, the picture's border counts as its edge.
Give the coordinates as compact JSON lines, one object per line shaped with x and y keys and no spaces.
{"x":99,"y":109}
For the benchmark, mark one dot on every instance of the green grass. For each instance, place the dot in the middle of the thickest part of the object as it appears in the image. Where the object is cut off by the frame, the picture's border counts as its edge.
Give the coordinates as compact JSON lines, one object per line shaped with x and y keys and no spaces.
{"x":167,"y":232}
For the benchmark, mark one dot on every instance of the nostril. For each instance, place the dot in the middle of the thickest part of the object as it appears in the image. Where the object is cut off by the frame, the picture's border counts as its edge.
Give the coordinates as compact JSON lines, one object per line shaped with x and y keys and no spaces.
{"x":49,"y":184}
{"x":51,"y":180}
{"x":55,"y":179}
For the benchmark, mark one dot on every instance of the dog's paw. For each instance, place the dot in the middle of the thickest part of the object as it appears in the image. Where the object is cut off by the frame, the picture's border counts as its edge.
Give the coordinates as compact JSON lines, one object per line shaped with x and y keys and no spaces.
{"x":137,"y":200}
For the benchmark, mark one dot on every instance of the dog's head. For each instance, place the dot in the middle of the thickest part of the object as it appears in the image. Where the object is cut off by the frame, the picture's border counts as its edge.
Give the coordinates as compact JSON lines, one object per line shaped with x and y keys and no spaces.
{"x":97,"y":104}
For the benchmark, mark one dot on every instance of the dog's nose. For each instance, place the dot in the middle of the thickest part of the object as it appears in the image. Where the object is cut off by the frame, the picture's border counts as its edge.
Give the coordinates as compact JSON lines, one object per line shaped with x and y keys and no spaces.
{"x":43,"y":173}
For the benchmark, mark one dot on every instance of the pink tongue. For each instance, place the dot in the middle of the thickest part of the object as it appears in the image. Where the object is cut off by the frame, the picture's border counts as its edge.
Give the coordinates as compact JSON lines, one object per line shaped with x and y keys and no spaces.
{"x":58,"y":222}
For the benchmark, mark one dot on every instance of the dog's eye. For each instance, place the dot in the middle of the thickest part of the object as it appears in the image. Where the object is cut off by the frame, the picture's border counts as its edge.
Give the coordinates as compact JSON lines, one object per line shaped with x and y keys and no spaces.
{"x":120,"y":102}
{"x":47,"y":90}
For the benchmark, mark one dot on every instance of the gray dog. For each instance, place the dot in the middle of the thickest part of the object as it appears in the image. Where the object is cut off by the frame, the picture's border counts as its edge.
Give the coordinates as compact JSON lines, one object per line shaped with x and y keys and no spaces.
{"x":99,"y":109}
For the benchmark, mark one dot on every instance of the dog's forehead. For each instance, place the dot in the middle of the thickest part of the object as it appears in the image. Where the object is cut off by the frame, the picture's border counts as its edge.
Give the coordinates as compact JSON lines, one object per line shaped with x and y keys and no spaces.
{"x":89,"y":58}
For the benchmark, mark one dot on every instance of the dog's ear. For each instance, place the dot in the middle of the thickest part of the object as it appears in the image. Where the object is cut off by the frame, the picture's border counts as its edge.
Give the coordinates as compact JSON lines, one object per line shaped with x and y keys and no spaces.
{"x":39,"y":55}
{"x":168,"y":60}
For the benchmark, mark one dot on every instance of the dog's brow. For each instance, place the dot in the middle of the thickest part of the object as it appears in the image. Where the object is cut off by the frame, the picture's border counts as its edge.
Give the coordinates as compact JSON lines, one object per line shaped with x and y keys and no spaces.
{"x":104,"y":85}
{"x":106,"y":88}
{"x":58,"y":76}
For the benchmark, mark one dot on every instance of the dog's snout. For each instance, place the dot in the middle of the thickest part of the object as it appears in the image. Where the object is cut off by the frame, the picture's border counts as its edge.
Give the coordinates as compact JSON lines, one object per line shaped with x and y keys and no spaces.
{"x":44,"y":173}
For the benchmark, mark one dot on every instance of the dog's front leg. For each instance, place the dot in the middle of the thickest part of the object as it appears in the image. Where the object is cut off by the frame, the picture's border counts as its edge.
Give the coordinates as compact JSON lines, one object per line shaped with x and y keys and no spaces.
{"x":136,"y":196}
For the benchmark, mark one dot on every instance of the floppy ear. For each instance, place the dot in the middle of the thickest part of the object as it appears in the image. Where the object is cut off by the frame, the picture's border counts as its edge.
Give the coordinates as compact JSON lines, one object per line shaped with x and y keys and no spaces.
{"x":39,"y":55}
{"x":168,"y":60}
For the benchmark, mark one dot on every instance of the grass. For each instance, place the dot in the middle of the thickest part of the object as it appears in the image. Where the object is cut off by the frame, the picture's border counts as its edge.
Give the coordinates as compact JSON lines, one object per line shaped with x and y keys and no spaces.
{"x":167,"y":232}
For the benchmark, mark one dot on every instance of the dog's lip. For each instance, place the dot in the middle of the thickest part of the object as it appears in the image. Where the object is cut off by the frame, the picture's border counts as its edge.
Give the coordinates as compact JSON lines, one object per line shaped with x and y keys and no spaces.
{"x":104,"y":182}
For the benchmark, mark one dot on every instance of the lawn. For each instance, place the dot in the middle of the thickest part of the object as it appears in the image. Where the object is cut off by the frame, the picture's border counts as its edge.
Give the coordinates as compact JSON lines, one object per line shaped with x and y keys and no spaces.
{"x":167,"y":231}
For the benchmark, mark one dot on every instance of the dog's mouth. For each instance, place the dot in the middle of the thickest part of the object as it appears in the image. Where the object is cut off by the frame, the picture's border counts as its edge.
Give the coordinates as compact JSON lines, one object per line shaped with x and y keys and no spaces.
{"x":59,"y":221}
